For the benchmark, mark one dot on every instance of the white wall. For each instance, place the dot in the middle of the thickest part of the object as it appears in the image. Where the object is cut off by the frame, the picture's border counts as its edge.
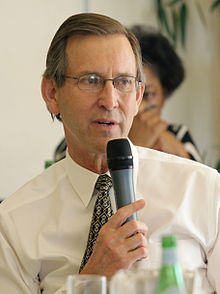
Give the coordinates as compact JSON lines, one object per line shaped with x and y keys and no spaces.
{"x":28,"y":136}
{"x":197,"y":103}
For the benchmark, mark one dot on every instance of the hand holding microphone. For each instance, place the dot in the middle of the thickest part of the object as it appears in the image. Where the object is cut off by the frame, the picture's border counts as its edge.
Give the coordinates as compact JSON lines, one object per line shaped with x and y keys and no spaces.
{"x":122,"y":240}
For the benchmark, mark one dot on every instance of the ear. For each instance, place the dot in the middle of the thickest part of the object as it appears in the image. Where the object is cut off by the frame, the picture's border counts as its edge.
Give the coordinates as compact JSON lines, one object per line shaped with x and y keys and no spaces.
{"x":139,"y":96}
{"x":49,"y":93}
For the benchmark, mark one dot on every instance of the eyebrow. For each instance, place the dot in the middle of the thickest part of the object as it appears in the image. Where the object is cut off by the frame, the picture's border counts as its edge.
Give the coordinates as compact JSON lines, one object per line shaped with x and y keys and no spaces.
{"x":89,"y":72}
{"x":149,"y":87}
{"x":86,"y":72}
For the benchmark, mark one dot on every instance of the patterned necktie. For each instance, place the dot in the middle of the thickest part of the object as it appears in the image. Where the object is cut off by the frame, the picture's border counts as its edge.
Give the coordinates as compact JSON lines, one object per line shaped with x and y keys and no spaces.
{"x":101,"y":214}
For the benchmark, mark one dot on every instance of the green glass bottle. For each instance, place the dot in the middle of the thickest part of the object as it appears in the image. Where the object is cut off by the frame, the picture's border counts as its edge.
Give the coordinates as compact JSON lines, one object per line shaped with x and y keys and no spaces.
{"x":48,"y":163}
{"x":170,"y":277}
{"x":218,"y":166}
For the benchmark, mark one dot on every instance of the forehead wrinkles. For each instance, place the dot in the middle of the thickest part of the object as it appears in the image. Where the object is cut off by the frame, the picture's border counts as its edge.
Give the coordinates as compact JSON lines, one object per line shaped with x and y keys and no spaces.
{"x":100,"y":53}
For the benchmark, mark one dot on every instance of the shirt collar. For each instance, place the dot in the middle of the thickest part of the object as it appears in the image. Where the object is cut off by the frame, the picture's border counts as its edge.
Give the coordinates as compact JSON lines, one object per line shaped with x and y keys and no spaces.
{"x":83,"y":180}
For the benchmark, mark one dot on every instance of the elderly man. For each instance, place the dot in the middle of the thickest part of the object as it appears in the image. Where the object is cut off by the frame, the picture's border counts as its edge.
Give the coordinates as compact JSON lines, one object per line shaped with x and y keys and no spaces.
{"x":51,"y":227}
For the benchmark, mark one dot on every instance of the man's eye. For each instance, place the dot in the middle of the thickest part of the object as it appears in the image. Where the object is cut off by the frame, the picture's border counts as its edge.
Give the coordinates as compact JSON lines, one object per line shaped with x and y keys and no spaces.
{"x":124,"y":81}
{"x":91,"y":80}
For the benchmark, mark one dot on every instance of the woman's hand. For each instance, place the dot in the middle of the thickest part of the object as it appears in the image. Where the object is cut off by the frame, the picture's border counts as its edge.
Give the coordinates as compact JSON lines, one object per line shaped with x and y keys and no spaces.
{"x":168,"y":143}
{"x":147,"y":128}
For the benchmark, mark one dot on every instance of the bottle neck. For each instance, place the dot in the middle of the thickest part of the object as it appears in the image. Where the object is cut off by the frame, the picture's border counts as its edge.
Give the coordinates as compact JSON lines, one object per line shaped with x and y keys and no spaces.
{"x":169,"y":256}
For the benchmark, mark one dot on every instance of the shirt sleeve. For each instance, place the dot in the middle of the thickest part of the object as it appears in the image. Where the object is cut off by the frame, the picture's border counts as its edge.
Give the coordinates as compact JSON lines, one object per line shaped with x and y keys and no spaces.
{"x":13,"y":278}
{"x":213,"y":261}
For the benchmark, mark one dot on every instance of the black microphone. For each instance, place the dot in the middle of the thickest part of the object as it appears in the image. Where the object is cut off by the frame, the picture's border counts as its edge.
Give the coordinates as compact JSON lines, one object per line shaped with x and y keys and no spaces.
{"x":120,"y":164}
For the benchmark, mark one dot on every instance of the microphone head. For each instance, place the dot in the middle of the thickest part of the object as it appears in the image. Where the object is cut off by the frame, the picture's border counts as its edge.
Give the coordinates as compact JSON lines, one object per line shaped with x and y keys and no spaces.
{"x":119,"y":154}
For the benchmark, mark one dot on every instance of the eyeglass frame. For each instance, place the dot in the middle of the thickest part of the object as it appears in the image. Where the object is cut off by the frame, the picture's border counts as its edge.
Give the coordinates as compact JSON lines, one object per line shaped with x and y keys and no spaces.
{"x":103,"y":81}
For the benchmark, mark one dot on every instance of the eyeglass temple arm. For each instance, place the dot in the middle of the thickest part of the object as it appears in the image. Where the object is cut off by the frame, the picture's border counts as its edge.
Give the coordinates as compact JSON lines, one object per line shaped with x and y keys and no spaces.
{"x":69,"y":77}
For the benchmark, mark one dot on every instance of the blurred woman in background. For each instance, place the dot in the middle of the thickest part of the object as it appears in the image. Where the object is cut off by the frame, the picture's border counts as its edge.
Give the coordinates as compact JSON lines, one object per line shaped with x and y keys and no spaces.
{"x":164,"y":73}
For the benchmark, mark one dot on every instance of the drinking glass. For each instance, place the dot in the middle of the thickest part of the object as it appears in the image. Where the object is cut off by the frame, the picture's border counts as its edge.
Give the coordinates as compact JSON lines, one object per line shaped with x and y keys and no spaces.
{"x":86,"y":284}
{"x":189,"y":277}
{"x":143,"y":281}
{"x":134,"y":282}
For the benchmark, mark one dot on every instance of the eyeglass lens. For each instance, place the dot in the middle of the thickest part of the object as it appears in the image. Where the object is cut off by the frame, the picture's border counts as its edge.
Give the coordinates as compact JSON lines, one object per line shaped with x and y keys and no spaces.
{"x":95,"y":83}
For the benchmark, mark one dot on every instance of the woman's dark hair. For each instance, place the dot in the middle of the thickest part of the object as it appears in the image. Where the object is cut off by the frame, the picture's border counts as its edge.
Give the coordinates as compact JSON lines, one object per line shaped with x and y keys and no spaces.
{"x":160,"y":55}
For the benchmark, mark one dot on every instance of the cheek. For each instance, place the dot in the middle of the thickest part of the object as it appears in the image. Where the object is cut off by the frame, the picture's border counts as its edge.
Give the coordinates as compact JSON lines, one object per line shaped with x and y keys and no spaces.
{"x":136,"y":108}
{"x":67,"y":110}
{"x":132,"y":108}
{"x":144,"y":104}
{"x":159,"y":97}
{"x":68,"y":102}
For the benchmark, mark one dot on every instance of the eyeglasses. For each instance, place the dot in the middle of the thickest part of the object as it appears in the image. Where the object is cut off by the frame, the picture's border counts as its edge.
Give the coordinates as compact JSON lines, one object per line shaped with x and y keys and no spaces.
{"x":94,"y":83}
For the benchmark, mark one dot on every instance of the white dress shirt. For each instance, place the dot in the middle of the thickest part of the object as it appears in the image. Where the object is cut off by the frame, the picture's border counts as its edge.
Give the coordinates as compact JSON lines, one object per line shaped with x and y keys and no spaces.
{"x":44,"y":225}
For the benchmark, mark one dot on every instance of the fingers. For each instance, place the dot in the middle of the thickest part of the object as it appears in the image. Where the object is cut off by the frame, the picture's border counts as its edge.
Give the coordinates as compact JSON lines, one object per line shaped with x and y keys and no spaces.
{"x":168,"y":143}
{"x":131,"y":230}
{"x":151,"y":125}
{"x":136,"y":241}
{"x":123,"y":213}
{"x":119,"y":245}
{"x":151,"y":118}
{"x":128,"y":237}
{"x":145,"y":115}
{"x":122,"y":252}
{"x":153,"y":121}
{"x":160,"y":127}
{"x":132,"y":227}
{"x":139,"y":253}
{"x":133,"y":249}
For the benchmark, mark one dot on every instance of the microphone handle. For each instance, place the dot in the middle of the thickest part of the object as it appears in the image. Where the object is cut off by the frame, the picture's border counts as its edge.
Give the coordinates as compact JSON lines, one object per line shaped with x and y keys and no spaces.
{"x":124,"y":189}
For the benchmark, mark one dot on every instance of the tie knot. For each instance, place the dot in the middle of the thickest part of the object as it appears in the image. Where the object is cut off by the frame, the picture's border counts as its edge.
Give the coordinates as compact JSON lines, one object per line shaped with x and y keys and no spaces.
{"x":104,"y":183}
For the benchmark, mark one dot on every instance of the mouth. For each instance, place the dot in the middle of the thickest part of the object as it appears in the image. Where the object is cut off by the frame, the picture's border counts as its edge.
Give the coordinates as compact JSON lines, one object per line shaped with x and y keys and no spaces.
{"x":106,"y":123}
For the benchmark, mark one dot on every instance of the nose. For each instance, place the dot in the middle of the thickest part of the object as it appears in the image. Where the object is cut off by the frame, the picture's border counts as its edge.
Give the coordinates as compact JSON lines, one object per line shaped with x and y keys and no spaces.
{"x":108,"y":96}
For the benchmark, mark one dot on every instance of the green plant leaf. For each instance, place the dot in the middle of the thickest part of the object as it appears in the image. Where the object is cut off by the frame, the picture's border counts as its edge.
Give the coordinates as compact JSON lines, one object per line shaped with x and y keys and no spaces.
{"x":214,"y":5}
{"x":172,"y":19}
{"x":158,"y":4}
{"x":175,"y":26}
{"x":183,"y":21}
{"x":201,"y":14}
{"x":159,"y":7}
{"x":165,"y":24}
{"x":173,"y":2}
{"x":163,"y":18}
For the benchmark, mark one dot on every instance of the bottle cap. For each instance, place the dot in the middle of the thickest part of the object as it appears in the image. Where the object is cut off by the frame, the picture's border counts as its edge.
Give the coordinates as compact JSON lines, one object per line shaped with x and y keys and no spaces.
{"x":169,"y":241}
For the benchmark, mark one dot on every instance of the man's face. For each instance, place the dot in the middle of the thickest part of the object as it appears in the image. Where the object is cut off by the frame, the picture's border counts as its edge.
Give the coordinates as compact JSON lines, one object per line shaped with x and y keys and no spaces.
{"x":92,"y":119}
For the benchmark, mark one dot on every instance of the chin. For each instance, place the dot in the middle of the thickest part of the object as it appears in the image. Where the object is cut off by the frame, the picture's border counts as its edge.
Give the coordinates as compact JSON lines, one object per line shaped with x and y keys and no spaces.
{"x":101,"y":145}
